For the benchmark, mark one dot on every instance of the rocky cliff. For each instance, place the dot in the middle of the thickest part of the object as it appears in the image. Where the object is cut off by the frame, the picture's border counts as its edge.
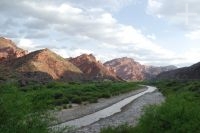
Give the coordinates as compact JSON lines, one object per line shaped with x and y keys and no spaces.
{"x":130,"y":70}
{"x":93,"y":69}
{"x":8,"y":50}
{"x":46,"y":61}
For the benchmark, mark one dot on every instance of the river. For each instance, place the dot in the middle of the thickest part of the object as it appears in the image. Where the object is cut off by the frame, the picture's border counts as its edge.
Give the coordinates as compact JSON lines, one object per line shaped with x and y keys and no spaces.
{"x":106,"y":112}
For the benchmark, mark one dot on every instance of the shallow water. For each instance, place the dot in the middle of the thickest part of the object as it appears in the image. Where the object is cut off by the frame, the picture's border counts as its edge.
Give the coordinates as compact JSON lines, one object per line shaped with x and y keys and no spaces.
{"x":106,"y":112}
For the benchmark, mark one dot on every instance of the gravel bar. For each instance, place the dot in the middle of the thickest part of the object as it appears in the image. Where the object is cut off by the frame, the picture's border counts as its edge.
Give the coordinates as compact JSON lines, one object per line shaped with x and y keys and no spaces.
{"x":130,"y":114}
{"x":82,"y":110}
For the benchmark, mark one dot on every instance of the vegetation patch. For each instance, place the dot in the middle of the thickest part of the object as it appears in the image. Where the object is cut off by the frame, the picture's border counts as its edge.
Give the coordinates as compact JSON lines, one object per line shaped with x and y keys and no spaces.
{"x":179,"y":114}
{"x":24,"y":109}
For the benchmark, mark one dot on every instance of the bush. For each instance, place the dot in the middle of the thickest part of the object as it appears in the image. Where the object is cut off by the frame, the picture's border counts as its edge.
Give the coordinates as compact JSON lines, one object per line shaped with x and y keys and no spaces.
{"x":106,"y":95}
{"x":76,"y":99}
{"x":58,"y":95}
{"x":179,"y":114}
{"x":18,"y":114}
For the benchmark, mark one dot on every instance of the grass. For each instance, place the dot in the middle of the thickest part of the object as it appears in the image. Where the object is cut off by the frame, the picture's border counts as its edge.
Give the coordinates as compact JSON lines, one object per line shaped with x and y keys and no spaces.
{"x":60,"y":94}
{"x":179,"y":114}
{"x":24,"y":109}
{"x":19,"y":114}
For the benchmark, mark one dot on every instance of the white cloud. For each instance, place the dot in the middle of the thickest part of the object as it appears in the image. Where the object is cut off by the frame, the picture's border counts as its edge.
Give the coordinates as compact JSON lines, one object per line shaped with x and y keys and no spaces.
{"x":111,"y":5}
{"x":194,"y":35}
{"x":72,"y":30}
{"x":26,"y":44}
{"x":76,"y":52}
{"x":183,"y":13}
{"x":154,"y":6}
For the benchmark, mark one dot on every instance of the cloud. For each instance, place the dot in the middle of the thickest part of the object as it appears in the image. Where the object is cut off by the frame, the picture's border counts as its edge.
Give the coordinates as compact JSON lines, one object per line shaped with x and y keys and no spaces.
{"x":111,"y":5}
{"x":27,"y":44}
{"x":194,"y":35}
{"x":182,"y":13}
{"x":70,"y":29}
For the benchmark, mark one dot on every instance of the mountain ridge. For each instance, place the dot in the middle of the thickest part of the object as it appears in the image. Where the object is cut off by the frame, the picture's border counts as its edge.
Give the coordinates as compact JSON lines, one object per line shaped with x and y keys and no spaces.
{"x":94,"y":69}
{"x":185,"y":73}
{"x":131,"y":70}
{"x":9,"y":50}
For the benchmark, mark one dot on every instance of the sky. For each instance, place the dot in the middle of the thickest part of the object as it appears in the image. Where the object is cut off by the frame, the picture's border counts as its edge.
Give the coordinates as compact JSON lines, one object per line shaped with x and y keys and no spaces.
{"x":153,"y":32}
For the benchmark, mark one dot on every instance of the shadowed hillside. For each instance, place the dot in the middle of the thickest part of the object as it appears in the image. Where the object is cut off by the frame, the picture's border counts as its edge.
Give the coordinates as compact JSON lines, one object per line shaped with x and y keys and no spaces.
{"x":185,"y":73}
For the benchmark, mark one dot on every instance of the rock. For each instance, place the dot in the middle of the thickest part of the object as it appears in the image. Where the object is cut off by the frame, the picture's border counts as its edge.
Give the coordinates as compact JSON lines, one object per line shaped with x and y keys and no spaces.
{"x":9,"y":50}
{"x":185,"y":73}
{"x":38,"y":64}
{"x":93,"y":69}
{"x":130,"y":70}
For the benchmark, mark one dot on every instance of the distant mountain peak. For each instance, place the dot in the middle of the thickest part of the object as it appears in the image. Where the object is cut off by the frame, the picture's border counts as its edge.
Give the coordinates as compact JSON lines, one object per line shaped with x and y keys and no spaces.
{"x":88,"y":57}
{"x":129,"y":69}
{"x":94,"y":69}
{"x":185,"y":73}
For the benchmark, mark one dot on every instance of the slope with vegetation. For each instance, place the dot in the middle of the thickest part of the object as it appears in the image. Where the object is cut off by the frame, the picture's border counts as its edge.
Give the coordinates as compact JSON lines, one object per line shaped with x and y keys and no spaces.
{"x":25,"y":109}
{"x":185,"y":73}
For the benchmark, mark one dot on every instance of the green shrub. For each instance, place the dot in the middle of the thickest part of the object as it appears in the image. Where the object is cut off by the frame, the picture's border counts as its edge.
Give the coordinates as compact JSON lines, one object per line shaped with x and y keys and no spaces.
{"x":18,"y":114}
{"x":58,"y":95}
{"x":106,"y":95}
{"x":180,"y":113}
{"x":76,"y":99}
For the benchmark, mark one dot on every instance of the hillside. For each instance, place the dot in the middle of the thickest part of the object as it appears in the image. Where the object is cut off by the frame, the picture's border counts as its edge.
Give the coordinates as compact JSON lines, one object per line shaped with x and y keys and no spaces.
{"x":185,"y":73}
{"x":151,"y":71}
{"x":93,"y":69}
{"x":130,"y":70}
{"x":9,"y":50}
{"x":45,"y":61}
{"x":127,"y":68}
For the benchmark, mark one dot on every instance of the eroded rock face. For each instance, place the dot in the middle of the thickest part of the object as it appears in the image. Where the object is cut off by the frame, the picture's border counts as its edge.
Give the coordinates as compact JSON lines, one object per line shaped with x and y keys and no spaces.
{"x":93,"y":69}
{"x":130,"y":70}
{"x":127,"y":68}
{"x":46,"y":61}
{"x":8,"y":50}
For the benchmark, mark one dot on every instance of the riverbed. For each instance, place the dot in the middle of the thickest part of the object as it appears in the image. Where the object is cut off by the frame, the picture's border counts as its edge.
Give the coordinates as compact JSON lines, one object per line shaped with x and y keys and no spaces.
{"x":117,"y":113}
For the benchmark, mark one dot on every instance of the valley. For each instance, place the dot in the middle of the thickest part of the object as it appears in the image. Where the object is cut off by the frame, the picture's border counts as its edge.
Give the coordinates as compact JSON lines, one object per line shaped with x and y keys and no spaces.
{"x":41,"y":90}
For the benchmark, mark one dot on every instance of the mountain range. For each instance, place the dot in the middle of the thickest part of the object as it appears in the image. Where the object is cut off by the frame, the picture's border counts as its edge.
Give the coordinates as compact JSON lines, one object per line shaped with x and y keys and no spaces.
{"x":130,"y":70}
{"x":185,"y":73}
{"x":45,"y":65}
{"x":93,"y":69}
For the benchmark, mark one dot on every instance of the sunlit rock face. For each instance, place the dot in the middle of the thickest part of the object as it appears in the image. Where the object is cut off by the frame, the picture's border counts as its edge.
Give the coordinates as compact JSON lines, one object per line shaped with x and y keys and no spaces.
{"x":8,"y":50}
{"x":130,"y":70}
{"x":93,"y":69}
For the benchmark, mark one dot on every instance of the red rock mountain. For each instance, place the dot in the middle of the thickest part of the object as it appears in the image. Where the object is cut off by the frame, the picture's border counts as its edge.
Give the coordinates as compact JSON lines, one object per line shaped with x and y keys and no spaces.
{"x":8,"y":50}
{"x":92,"y":68}
{"x":46,"y":61}
{"x":130,"y":70}
{"x":127,"y":68}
